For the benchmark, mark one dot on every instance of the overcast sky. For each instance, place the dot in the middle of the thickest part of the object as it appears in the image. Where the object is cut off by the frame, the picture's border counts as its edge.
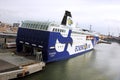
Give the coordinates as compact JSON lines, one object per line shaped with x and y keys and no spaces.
{"x":103,"y":15}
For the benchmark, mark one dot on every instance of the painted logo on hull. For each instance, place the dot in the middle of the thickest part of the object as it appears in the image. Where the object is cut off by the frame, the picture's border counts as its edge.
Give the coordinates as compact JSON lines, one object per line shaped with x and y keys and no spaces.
{"x":68,"y":47}
{"x":82,"y":47}
{"x":64,"y":46}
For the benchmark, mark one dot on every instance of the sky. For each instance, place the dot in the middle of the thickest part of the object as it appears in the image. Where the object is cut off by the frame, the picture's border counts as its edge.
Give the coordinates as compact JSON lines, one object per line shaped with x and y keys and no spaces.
{"x":103,"y":15}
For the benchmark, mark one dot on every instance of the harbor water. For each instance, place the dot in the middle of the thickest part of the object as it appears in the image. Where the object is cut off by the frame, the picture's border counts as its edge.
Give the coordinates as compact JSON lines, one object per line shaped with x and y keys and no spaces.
{"x":102,"y":63}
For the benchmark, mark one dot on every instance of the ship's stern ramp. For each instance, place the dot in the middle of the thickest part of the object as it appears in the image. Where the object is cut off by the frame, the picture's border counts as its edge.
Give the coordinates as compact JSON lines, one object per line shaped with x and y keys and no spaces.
{"x":30,"y":39}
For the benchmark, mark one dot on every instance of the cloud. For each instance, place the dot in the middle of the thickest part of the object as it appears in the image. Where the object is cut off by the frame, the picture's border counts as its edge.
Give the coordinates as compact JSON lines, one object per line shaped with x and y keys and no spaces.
{"x":99,"y":13}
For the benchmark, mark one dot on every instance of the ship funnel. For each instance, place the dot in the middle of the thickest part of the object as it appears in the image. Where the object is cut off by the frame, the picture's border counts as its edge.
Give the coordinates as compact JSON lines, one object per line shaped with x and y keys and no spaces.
{"x":67,"y":19}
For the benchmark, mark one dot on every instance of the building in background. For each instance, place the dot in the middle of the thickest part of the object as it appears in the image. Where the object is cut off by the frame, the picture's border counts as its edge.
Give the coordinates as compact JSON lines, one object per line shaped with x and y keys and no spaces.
{"x":16,"y":24}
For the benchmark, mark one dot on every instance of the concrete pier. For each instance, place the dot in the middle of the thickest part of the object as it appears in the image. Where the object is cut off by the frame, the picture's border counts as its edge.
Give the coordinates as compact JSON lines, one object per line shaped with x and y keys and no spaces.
{"x":15,"y":66}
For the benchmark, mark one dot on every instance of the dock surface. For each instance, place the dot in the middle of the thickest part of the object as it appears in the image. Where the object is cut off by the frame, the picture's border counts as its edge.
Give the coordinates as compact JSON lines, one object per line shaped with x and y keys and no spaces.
{"x":6,"y":66}
{"x":14,"y":66}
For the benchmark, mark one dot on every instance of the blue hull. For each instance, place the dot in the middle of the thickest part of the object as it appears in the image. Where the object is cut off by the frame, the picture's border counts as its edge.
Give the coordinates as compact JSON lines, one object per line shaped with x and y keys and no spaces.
{"x":47,"y":41}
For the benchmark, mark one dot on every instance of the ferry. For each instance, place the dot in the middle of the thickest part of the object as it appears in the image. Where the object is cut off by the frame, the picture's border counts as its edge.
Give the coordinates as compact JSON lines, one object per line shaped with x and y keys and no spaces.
{"x":52,"y":41}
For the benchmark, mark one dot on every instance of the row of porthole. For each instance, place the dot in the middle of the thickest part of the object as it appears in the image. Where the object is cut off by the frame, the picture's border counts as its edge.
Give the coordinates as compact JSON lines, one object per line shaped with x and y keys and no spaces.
{"x":58,"y":30}
{"x":35,"y":26}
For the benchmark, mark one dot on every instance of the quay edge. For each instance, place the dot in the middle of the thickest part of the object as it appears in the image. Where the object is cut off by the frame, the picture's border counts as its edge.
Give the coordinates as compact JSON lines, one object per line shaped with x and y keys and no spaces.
{"x":23,"y":71}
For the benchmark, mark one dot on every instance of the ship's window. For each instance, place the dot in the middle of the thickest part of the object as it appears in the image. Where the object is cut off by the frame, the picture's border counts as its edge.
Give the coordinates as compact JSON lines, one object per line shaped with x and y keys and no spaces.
{"x":22,"y":24}
{"x":55,"y":29}
{"x":47,"y":27}
{"x":30,"y":25}
{"x":44,"y":26}
{"x":34,"y":26}
{"x":26,"y":25}
{"x":41,"y":26}
{"x":52,"y":24}
{"x":60,"y":30}
{"x":37,"y":26}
